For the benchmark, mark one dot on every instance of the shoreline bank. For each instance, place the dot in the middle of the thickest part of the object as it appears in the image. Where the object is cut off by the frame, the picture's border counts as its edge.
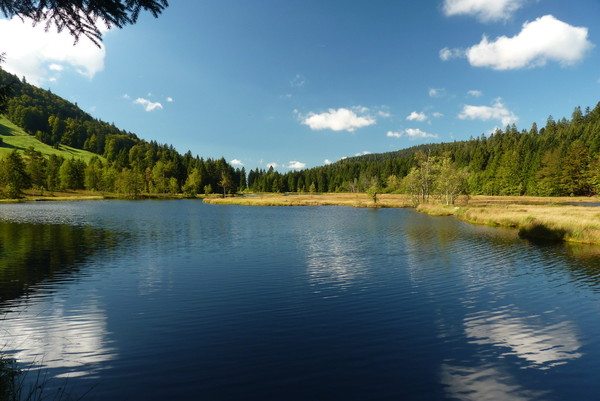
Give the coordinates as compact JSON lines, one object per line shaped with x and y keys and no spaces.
{"x":569,"y":219}
{"x":536,"y":218}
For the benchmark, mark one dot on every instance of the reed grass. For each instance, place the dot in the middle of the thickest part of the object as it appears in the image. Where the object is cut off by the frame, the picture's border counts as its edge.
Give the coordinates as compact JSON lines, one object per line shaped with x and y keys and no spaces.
{"x":337,"y":199}
{"x":552,"y":221}
{"x":548,"y":219}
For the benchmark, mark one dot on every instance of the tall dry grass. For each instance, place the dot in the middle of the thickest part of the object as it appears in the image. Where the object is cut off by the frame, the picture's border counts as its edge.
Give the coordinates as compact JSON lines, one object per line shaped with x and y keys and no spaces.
{"x":534,"y":217}
{"x":542,"y":221}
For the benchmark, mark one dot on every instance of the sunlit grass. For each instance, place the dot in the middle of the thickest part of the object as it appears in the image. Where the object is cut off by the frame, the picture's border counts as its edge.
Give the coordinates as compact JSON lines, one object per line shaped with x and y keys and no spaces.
{"x":338,"y":199}
{"x":14,"y":137}
{"x":550,"y":221}
{"x":534,"y":217}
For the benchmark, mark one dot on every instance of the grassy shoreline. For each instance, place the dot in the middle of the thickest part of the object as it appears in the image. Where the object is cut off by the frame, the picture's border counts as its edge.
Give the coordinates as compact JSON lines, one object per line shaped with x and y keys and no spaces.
{"x":537,"y":218}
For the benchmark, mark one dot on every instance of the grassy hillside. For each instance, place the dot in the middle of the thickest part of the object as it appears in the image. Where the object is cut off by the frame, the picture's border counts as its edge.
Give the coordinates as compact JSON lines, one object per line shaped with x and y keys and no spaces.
{"x":14,"y":137}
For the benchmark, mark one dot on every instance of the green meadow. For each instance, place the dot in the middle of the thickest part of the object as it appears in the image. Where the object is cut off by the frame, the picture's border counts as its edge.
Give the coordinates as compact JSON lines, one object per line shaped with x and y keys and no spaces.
{"x":13,"y":137}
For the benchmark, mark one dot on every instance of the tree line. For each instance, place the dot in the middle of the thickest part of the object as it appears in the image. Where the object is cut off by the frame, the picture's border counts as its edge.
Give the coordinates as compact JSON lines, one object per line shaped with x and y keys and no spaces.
{"x":152,"y":173}
{"x":125,"y":164}
{"x":560,"y":159}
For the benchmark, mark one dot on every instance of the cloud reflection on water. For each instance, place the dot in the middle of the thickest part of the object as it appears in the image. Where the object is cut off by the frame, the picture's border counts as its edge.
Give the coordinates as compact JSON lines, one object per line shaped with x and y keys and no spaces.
{"x":484,"y":383}
{"x":73,"y":341}
{"x":527,"y":337}
{"x":333,"y":263}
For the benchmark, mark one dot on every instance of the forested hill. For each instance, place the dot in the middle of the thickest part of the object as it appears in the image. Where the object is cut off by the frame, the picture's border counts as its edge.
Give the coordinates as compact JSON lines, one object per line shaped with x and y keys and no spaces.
{"x":125,"y":163}
{"x":561,"y":158}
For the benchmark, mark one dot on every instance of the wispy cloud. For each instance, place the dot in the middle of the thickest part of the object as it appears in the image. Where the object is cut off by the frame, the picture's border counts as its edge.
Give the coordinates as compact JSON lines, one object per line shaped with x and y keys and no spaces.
{"x":147,"y":104}
{"x":411,"y":133}
{"x":448,"y":54}
{"x":540,"y":41}
{"x":341,"y":119}
{"x":497,"y":111}
{"x":169,"y":99}
{"x":274,"y":165}
{"x":483,"y":10}
{"x":475,"y":93}
{"x":364,"y":152}
{"x":437,"y":92}
{"x":298,"y":81}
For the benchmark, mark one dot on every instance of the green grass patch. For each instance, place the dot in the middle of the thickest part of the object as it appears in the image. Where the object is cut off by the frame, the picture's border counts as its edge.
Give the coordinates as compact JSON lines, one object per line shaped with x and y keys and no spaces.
{"x":13,"y":137}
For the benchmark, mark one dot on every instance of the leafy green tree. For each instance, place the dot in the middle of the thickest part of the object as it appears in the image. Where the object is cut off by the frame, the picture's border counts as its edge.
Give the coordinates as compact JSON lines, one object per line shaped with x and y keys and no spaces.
{"x":36,"y":167}
{"x":192,"y":183}
{"x":72,"y":174}
{"x":13,"y":174}
{"x":93,"y":175}
{"x":374,"y":190}
{"x":450,"y":181}
{"x":173,"y":186}
{"x":130,"y":183}
{"x":226,"y":182}
{"x":5,"y":90}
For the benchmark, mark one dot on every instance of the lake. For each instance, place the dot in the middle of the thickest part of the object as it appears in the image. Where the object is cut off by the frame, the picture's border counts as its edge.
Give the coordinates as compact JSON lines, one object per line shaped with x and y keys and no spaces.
{"x":159,"y":300}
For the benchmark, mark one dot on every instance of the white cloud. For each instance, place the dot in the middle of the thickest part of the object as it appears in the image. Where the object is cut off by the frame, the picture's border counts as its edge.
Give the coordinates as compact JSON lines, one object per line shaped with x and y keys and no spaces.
{"x":483,"y":10}
{"x":327,"y":161}
{"x":236,"y":162}
{"x":545,"y":39}
{"x":496,"y":112}
{"x":411,"y":133}
{"x":437,"y":92}
{"x":34,"y":53}
{"x":475,"y":93}
{"x":170,"y":99}
{"x":447,"y":54}
{"x":414,"y":116}
{"x":341,"y":119}
{"x":383,"y":114}
{"x":437,"y":114}
{"x":274,"y":165}
{"x":298,"y":81}
{"x":126,"y":96}
{"x":364,"y":152}
{"x":296,"y":164}
{"x":148,"y":105}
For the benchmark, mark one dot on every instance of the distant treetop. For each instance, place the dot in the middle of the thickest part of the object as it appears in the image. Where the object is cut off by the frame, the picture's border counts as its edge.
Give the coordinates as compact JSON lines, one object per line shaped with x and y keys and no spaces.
{"x":80,"y":17}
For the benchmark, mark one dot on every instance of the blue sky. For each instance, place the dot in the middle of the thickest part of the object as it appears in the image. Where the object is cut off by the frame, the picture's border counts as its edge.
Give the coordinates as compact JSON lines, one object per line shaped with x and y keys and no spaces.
{"x":303,"y":83}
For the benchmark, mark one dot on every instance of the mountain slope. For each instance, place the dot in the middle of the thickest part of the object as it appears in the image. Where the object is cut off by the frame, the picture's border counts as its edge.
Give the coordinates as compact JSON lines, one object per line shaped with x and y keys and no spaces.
{"x":13,"y":137}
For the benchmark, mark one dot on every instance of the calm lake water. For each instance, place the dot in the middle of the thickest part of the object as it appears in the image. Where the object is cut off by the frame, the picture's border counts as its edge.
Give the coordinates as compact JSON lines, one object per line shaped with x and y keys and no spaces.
{"x":177,"y":300}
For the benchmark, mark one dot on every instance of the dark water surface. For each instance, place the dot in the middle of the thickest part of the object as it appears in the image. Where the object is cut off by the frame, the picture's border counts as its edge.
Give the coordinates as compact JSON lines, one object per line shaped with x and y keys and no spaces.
{"x":177,"y":300}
